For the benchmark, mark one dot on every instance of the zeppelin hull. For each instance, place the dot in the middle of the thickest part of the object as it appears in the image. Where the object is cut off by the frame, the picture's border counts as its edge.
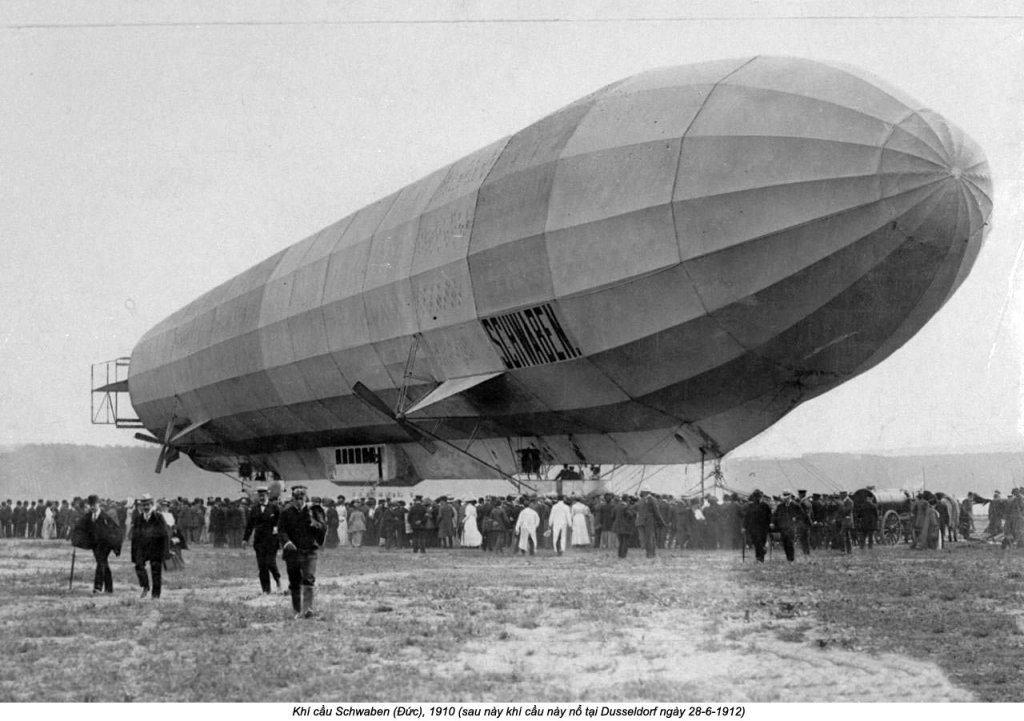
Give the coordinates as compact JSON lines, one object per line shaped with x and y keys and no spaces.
{"x":663,"y":268}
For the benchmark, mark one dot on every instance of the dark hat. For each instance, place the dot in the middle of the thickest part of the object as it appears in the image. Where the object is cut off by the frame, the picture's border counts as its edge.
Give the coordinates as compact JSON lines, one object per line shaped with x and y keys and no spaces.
{"x":93,"y":500}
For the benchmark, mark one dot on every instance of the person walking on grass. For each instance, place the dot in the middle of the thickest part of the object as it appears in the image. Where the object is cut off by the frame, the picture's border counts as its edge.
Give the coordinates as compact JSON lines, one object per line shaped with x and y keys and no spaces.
{"x":151,"y":541}
{"x":97,"y":532}
{"x":302,"y":528}
{"x":261,"y":527}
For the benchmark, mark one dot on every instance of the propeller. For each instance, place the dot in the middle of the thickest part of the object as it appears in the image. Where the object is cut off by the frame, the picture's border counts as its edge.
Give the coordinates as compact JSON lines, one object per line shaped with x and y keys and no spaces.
{"x":421,"y":435}
{"x":169,"y":450}
{"x":377,"y":403}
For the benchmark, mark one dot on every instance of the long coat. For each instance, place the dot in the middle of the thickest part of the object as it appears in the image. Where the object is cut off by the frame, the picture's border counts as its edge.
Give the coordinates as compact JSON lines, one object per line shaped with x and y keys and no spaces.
{"x":262,"y":526}
{"x":151,"y":538}
{"x":101,"y":533}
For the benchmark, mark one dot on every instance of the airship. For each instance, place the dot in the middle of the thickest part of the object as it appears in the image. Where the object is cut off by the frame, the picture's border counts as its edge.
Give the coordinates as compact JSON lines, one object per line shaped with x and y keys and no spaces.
{"x":653,"y":274}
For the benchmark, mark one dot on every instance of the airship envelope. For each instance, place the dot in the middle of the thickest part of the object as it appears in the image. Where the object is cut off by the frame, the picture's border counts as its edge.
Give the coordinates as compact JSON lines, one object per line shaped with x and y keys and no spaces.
{"x":653,"y":274}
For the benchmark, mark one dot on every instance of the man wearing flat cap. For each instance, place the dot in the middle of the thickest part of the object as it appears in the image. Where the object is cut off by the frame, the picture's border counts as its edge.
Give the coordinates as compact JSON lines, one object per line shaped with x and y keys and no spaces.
{"x":262,"y":528}
{"x":302,"y":529}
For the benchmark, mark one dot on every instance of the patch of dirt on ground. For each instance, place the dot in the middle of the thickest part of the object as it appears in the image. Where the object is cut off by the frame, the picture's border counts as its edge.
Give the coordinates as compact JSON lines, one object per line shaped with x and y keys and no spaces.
{"x":463,"y":625}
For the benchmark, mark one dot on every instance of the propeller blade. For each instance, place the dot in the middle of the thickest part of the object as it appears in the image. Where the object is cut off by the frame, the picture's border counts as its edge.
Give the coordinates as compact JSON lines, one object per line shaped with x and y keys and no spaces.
{"x":147,"y":439}
{"x":377,"y":403}
{"x":373,"y":400}
{"x":160,"y":459}
{"x":418,"y":436}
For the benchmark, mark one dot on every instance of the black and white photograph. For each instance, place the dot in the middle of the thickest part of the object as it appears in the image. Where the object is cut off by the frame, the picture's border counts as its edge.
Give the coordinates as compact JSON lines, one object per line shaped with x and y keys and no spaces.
{"x":511,"y":358}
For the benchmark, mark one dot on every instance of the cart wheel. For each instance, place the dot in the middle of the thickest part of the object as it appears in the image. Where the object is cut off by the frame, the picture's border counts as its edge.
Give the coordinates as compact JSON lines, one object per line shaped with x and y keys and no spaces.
{"x":892,"y":530}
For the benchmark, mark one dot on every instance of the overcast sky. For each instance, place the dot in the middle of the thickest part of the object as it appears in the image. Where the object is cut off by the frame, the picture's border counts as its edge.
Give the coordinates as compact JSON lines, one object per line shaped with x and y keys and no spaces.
{"x":149,"y":153}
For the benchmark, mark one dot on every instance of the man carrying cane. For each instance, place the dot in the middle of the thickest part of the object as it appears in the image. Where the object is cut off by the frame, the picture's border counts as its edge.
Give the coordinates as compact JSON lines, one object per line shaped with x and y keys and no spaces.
{"x":99,"y":533}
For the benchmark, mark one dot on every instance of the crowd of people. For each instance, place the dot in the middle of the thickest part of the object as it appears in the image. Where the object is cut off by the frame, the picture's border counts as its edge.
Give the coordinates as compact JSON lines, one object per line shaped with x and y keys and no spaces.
{"x":301,"y":526}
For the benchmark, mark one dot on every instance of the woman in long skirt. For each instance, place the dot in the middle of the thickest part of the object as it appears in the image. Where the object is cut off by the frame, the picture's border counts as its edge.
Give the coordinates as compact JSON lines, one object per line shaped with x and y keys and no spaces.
{"x":471,"y":537}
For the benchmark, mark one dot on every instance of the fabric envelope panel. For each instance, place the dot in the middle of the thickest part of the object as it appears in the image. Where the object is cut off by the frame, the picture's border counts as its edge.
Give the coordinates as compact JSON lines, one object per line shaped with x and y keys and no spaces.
{"x":699,"y":74}
{"x":741,"y":111}
{"x":275,"y":345}
{"x":394,"y":353}
{"x":719,"y":165}
{"x":511,"y":275}
{"x":709,"y":225}
{"x":833,"y":84}
{"x":937,"y":293}
{"x":277,"y":295}
{"x":611,"y":251}
{"x":317,"y":416}
{"x":628,"y":188}
{"x":390,"y":311}
{"x":249,"y":392}
{"x":738,"y":271}
{"x":638,"y":118}
{"x":353,"y":412}
{"x":694,"y":348}
{"x":234,"y":427}
{"x":721,"y":386}
{"x":571,"y":384}
{"x":327,"y":241}
{"x":213,"y":401}
{"x":308,"y":334}
{"x":462,"y":350}
{"x":323,"y":376}
{"x":444,"y":234}
{"x":293,"y":257}
{"x":307,"y":287}
{"x":513,"y":201}
{"x":667,"y":298}
{"x":345,"y":272}
{"x":238,"y":356}
{"x":289,"y":384}
{"x":411,"y":202}
{"x":759,"y":317}
{"x":364,"y":222}
{"x":362,"y":364}
{"x":345,"y":321}
{"x":466,"y":175}
{"x":443,"y":296}
{"x":237,"y":316}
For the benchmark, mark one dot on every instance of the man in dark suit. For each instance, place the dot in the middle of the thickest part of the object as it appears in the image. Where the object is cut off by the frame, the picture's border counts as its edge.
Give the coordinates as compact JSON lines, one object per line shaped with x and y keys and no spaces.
{"x":262,"y":528}
{"x":151,"y":540}
{"x":98,"y":532}
{"x":418,"y":523}
{"x":757,"y":520}
{"x":302,"y":528}
{"x":648,"y":521}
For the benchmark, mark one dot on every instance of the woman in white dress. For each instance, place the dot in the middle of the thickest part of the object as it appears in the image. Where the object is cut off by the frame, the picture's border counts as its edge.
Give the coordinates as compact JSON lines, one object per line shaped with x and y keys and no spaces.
{"x":580,"y":533}
{"x":49,"y":523}
{"x":471,"y":537}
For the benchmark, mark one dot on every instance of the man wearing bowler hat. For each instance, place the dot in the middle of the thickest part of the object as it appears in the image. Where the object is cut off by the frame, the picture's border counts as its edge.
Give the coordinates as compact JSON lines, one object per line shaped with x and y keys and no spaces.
{"x":262,"y":528}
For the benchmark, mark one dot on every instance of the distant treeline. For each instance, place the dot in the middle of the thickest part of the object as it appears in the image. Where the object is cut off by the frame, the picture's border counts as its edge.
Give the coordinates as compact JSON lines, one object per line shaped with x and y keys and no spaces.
{"x":58,"y":471}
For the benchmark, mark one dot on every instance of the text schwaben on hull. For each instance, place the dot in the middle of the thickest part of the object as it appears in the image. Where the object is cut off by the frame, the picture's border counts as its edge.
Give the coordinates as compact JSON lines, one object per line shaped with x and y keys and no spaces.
{"x":530,"y":337}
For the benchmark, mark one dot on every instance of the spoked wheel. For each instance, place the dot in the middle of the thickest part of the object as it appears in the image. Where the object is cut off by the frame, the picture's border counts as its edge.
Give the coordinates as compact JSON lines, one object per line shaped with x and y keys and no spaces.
{"x":892,"y":529}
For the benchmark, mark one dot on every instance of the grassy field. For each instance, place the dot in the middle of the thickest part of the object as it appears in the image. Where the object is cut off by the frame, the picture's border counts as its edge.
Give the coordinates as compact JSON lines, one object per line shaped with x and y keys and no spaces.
{"x":462,"y":625}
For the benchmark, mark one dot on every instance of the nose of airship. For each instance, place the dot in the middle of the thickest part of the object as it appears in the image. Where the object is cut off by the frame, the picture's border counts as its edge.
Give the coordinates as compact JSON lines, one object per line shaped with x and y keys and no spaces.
{"x":941,"y":178}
